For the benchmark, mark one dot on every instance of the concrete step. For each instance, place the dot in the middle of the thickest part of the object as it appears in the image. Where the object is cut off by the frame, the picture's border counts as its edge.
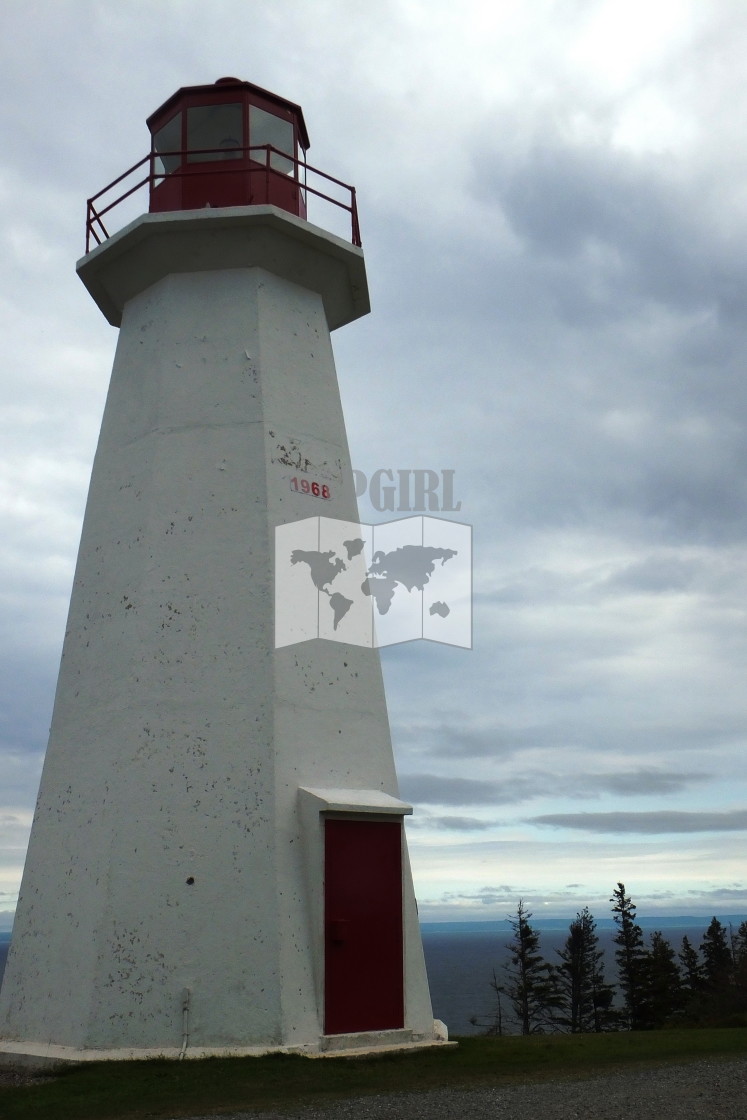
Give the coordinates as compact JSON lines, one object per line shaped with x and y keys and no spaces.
{"x":366,"y":1040}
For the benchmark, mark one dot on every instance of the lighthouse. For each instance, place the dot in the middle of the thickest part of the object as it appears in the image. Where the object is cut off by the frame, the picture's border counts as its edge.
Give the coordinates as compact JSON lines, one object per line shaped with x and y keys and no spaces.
{"x":217,"y":862}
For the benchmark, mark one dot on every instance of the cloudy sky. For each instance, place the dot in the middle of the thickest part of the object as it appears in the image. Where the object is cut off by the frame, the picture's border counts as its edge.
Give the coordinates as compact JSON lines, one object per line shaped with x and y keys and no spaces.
{"x":553,"y":199}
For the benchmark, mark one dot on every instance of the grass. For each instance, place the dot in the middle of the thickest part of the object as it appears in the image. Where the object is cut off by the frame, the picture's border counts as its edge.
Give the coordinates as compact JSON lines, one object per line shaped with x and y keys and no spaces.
{"x":160,"y":1089}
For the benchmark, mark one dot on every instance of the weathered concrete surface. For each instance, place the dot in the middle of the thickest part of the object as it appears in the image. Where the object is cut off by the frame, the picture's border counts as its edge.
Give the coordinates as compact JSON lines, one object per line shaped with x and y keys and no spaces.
{"x":169,"y":858}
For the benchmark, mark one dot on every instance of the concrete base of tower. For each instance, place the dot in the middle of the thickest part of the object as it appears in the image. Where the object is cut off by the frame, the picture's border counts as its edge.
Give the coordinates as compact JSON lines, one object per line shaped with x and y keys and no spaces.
{"x":39,"y":1056}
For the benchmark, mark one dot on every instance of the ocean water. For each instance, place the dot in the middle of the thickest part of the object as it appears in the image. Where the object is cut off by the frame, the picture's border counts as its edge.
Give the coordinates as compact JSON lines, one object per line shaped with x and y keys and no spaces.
{"x":461,"y":957}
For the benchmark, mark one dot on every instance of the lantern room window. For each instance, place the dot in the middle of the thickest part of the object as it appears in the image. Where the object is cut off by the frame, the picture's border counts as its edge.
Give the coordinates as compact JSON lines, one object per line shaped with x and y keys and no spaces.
{"x":266,"y":128}
{"x":167,"y":144}
{"x":211,"y":127}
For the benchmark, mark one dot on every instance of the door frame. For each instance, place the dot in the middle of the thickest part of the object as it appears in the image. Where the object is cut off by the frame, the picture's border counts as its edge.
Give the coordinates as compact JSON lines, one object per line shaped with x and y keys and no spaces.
{"x":316,"y":805}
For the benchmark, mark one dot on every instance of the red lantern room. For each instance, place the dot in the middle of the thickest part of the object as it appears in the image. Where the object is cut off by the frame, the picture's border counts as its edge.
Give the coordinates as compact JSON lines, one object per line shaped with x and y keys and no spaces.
{"x":227,"y":144}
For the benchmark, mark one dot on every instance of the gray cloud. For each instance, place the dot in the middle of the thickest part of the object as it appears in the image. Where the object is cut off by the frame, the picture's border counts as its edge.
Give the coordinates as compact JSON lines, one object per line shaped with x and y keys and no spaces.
{"x":648,"y":780}
{"x":659,"y":822}
{"x":620,"y":225}
{"x":718,"y":893}
{"x":433,"y":789}
{"x":516,"y":788}
{"x":598,"y":696}
{"x":658,"y":575}
{"x":503,"y":894}
{"x":456,"y":824}
{"x":507,"y":896}
{"x":450,"y":738}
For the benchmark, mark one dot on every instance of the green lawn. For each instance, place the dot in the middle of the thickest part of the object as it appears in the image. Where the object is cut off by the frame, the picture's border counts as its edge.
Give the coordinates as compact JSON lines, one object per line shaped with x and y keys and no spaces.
{"x":158,"y":1089}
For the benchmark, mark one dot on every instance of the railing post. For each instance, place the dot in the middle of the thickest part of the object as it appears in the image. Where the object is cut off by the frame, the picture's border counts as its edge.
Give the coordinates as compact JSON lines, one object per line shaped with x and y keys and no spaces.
{"x":354,"y":215}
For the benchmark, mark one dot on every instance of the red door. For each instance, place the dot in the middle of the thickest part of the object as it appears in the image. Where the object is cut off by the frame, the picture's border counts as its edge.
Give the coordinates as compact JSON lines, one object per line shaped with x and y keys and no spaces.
{"x":363,"y":926}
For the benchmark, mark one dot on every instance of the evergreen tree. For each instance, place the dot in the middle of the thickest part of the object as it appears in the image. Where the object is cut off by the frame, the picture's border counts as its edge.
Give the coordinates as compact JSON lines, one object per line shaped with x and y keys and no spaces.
{"x":662,"y":993}
{"x":630,"y":958}
{"x":493,"y":1024}
{"x":692,"y":972}
{"x":528,"y":986}
{"x":739,"y":947}
{"x":717,"y":958}
{"x":584,"y":998}
{"x":722,"y":997}
{"x":740,"y":973}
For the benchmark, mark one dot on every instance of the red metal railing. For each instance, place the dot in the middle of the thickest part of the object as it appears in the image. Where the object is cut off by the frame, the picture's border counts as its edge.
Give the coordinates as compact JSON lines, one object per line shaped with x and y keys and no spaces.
{"x":100,"y":204}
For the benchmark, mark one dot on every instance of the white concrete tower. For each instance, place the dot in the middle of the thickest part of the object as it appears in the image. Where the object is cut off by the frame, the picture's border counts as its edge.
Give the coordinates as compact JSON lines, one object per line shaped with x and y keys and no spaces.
{"x":217,"y":861}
